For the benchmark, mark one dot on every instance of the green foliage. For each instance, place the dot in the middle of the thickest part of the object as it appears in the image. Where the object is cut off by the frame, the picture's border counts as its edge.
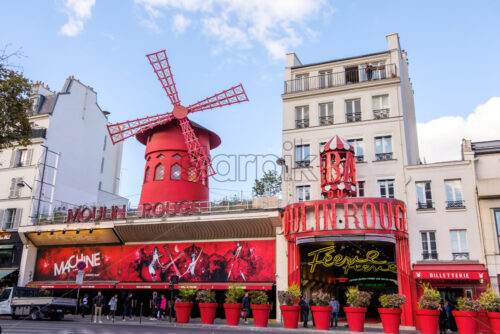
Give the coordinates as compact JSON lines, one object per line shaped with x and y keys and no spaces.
{"x":205,"y":296}
{"x":468,"y":304}
{"x":268,"y":185}
{"x":489,"y":300}
{"x":259,"y":298}
{"x":321,"y":297}
{"x":14,"y":104}
{"x":291,"y":296}
{"x":356,"y":298}
{"x":392,"y":301}
{"x":430,"y":299}
{"x":186,"y":294}
{"x":234,"y":294}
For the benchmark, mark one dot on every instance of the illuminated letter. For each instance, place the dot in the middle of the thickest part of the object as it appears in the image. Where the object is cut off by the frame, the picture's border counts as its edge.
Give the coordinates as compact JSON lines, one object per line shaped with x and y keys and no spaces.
{"x":365,"y":215}
{"x":354,"y":214}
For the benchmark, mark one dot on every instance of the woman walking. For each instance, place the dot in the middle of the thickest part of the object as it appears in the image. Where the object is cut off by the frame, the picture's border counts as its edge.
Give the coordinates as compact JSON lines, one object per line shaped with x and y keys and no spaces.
{"x":113,"y":303}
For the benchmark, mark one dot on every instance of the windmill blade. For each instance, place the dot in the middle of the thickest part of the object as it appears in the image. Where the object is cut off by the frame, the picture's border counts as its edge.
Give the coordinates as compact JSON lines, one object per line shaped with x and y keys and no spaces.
{"x":232,"y":95}
{"x":197,"y":155}
{"x":122,"y":131}
{"x":160,"y":64}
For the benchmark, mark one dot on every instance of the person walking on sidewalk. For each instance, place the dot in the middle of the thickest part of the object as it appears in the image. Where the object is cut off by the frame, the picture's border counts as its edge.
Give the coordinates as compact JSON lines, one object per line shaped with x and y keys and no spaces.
{"x":246,"y":307}
{"x":155,"y":306}
{"x":113,"y":303}
{"x":335,"y":311}
{"x":304,"y":310}
{"x":98,"y":303}
{"x":85,"y":305}
{"x":312,"y":303}
{"x":127,"y":307}
{"x":163,"y":307}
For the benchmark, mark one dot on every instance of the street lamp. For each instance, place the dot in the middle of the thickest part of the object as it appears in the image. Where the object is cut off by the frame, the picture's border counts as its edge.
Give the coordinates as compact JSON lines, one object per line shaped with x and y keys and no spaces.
{"x":21,"y":184}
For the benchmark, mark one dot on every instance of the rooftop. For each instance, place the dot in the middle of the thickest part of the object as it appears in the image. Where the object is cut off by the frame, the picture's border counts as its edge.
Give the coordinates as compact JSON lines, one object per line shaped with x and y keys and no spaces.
{"x":341,"y":59}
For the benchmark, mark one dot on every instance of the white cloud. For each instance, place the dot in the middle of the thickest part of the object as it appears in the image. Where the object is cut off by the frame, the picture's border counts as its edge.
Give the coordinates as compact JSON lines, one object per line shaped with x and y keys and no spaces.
{"x":180,"y":23}
{"x":274,"y":24}
{"x":78,"y":12}
{"x":440,"y":139}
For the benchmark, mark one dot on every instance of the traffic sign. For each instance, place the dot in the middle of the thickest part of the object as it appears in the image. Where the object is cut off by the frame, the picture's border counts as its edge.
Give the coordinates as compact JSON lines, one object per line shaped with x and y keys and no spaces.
{"x":79,"y":277}
{"x":81,"y":265}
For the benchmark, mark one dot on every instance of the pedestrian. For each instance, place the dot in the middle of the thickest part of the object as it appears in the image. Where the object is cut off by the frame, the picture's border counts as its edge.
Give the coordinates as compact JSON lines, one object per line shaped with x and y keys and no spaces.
{"x":447,"y":309}
{"x":127,"y":307}
{"x":163,"y":307}
{"x":246,"y":307}
{"x":113,"y":303}
{"x":442,"y":319}
{"x":335,"y":311}
{"x":98,"y":303}
{"x":85,"y":305}
{"x":304,"y":310}
{"x":312,"y":303}
{"x":155,"y":306}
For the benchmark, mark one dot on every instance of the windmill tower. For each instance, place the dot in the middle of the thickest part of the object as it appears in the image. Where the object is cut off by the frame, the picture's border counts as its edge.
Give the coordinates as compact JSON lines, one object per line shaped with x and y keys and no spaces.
{"x":177,"y":149}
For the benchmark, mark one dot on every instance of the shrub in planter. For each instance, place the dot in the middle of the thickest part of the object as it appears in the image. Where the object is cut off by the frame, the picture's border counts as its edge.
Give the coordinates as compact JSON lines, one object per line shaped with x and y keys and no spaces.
{"x":355,"y":313}
{"x":466,"y":315}
{"x":259,"y":303}
{"x":390,"y":312}
{"x":490,"y":301}
{"x":232,"y":305}
{"x":183,"y":308}
{"x":288,"y":305}
{"x":428,"y":310}
{"x":208,"y":306}
{"x":321,"y":311}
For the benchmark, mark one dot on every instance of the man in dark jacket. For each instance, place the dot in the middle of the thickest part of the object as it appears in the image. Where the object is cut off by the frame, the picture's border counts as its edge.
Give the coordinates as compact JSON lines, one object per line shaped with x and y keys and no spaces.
{"x":304,"y":310}
{"x":246,"y":307}
{"x":312,"y":303}
{"x":127,"y":307}
{"x":98,"y":303}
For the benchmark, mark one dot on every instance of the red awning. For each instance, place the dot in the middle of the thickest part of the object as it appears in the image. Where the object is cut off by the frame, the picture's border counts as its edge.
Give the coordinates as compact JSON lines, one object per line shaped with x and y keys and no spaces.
{"x":444,"y":271}
{"x":72,"y":285}
{"x":198,"y":285}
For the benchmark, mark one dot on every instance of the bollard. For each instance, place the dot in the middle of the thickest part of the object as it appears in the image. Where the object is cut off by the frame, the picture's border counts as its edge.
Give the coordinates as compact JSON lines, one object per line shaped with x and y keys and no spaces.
{"x":140,"y":314}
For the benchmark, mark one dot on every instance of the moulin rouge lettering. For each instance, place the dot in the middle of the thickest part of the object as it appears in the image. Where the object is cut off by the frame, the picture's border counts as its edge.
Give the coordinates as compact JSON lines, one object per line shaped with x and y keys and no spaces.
{"x":369,"y":263}
{"x":69,"y":265}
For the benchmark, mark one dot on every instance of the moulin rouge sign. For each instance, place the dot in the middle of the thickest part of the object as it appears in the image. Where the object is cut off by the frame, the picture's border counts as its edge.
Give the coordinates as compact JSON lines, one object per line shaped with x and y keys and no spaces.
{"x":345,"y":214}
{"x":157,"y":210}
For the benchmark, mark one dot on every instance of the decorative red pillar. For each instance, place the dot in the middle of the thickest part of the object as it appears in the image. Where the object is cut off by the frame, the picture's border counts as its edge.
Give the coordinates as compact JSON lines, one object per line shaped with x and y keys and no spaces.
{"x":405,"y":280}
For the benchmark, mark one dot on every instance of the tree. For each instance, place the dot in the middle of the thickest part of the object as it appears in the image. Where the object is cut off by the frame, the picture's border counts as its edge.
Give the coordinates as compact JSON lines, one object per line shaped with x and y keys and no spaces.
{"x":14,"y":103}
{"x":268,"y":185}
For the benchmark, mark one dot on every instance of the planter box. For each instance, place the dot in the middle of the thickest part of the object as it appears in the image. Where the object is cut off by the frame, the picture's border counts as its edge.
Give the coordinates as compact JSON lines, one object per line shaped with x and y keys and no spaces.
{"x":391,"y":319}
{"x":260,"y":314}
{"x":291,"y":315}
{"x":494,"y":318}
{"x":183,"y":311}
{"x":207,"y":312}
{"x":483,"y":324}
{"x":466,"y":321}
{"x":428,"y":321}
{"x":321,"y":316}
{"x":233,"y":313}
{"x":356,"y":318}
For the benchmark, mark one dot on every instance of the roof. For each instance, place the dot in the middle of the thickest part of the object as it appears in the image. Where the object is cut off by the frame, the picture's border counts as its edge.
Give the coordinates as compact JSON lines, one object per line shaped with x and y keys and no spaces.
{"x":486,"y":147}
{"x":337,"y":143}
{"x":341,"y":59}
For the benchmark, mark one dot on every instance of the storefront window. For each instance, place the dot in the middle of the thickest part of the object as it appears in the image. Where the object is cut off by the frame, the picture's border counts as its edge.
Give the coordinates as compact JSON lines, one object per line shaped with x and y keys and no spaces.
{"x":6,"y":257}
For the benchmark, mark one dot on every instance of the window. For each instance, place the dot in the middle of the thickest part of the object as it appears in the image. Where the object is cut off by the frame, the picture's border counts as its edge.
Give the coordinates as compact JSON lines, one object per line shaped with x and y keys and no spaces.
{"x":380,"y":106}
{"x":325,"y":113}
{"x":496,"y":213}
{"x":360,"y":192}
{"x":353,"y":110}
{"x":351,"y":74}
{"x":159,"y":171}
{"x":21,"y":158}
{"x":453,"y":190}
{"x":10,"y":218}
{"x":424,"y":195}
{"x":325,"y":79}
{"x":302,"y":117}
{"x":6,"y":259}
{"x":102,"y":165}
{"x":459,"y":245}
{"x":175,"y":172}
{"x":301,"y":82}
{"x":358,"y":149}
{"x":303,"y":193}
{"x":386,"y":188}
{"x":383,"y":148}
{"x":105,"y":141}
{"x":146,"y":175}
{"x":429,"y":245}
{"x":15,"y":189}
{"x":302,"y":158}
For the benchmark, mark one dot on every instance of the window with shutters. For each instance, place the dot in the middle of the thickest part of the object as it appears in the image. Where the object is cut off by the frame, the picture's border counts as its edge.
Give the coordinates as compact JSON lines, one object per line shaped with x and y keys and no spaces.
{"x":15,"y":190}
{"x":11,"y":218}
{"x":21,"y":158}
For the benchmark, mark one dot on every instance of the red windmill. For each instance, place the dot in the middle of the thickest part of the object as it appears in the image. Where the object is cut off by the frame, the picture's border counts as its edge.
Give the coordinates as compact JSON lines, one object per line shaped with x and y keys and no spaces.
{"x":171,"y":137}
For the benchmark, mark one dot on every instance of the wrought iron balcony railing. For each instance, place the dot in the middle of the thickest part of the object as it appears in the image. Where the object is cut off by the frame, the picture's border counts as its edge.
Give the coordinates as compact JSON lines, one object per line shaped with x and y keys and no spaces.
{"x":353,"y":117}
{"x":302,"y":163}
{"x":38,"y":133}
{"x":325,"y":120}
{"x":455,"y":204}
{"x":460,"y":256}
{"x":425,"y":205}
{"x":302,"y":123}
{"x":343,"y":78}
{"x":380,"y":113}
{"x":383,"y":156}
{"x":430,"y":255}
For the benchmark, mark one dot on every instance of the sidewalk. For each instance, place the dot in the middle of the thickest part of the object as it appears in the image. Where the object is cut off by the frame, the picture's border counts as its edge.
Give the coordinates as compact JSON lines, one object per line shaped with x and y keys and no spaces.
{"x":274,"y":326}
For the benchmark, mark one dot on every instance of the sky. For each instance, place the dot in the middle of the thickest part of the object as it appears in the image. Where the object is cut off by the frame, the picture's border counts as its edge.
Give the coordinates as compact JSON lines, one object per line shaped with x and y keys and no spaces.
{"x":453,"y":49}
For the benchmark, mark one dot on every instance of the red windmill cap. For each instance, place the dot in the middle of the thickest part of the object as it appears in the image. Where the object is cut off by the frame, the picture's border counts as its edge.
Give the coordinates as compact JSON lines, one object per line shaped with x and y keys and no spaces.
{"x":337,"y":143}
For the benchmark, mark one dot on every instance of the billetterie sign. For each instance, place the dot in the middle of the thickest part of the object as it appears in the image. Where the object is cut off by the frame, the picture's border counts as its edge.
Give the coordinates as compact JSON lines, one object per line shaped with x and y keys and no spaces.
{"x":156,"y":210}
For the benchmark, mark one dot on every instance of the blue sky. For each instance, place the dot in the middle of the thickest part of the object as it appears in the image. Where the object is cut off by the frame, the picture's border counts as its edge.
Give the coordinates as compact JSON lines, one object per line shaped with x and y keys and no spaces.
{"x":453,"y":49}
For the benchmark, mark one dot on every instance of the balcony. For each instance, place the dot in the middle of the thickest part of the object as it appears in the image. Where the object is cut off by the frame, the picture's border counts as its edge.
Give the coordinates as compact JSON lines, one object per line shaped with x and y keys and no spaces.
{"x":381,"y":113}
{"x":302,"y":163}
{"x":430,"y":255}
{"x":343,"y":78}
{"x":38,"y":133}
{"x":455,"y":204}
{"x":325,"y":120}
{"x":353,"y":117}
{"x":460,"y":256}
{"x":383,"y":156}
{"x":301,"y":123}
{"x":425,"y":205}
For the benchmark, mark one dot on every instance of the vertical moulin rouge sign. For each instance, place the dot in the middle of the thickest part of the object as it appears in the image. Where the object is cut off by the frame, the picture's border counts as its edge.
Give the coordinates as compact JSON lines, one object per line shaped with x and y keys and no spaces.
{"x":230,"y":261}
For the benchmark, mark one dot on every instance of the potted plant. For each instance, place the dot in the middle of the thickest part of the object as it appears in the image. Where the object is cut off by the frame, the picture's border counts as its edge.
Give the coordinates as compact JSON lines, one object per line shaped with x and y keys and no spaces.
{"x":183,"y":308}
{"x":288,"y":305}
{"x":428,"y":310}
{"x":390,"y":312}
{"x":466,"y":314}
{"x":355,"y":313}
{"x":321,"y":311}
{"x":232,"y":305}
{"x":208,"y":306}
{"x":490,"y":301}
{"x":260,"y":306}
